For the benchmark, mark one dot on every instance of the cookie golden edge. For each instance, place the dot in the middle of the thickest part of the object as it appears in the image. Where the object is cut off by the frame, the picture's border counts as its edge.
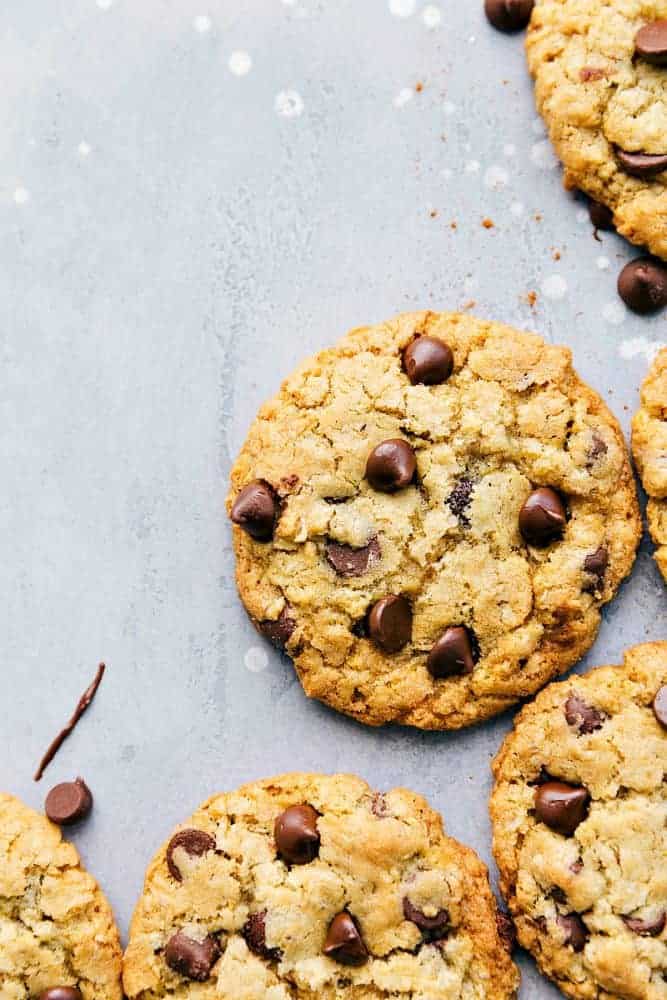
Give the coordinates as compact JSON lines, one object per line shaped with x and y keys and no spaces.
{"x":480,"y":917}
{"x":555,"y":657}
{"x":99,"y":956}
{"x":649,"y":449}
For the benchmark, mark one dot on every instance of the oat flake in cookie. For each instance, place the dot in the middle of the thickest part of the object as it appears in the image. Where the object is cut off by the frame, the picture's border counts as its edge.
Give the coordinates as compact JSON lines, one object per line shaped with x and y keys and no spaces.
{"x":316,"y":887}
{"x":579,"y":816}
{"x":446,"y":521}
{"x":600,"y":69}
{"x":58,"y":939}
{"x":649,"y":447}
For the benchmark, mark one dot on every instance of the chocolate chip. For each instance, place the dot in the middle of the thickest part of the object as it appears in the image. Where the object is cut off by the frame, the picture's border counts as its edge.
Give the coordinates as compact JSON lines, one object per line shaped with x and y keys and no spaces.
{"x":254,"y":932}
{"x":196,"y":843}
{"x":506,"y":930}
{"x":458,"y":500}
{"x":646,"y":927}
{"x":348,"y":561}
{"x":296,"y":835}
{"x":561,"y":806}
{"x":574,"y":929}
{"x":428,"y":361}
{"x":509,"y":15}
{"x":542,"y":517}
{"x":651,"y":43}
{"x":69,"y":802}
{"x":597,"y":449}
{"x":190,"y":958}
{"x":660,"y":705}
{"x":453,"y":653}
{"x":391,"y":466}
{"x":432,"y":928}
{"x":344,"y":942}
{"x":61,"y":993}
{"x":642,"y":284}
{"x":279,"y":630}
{"x":596,"y":565}
{"x":642,"y":165}
{"x":601,"y":216}
{"x":581,"y":715}
{"x":255,"y":510}
{"x":379,"y":805}
{"x":390,"y":623}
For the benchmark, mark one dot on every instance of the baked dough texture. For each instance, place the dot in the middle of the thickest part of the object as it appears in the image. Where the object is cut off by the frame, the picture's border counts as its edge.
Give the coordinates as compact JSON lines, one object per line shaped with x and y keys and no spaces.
{"x":649,"y":447}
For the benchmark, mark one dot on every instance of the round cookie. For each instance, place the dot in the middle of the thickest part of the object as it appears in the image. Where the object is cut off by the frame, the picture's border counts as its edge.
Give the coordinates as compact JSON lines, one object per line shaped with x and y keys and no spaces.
{"x":429,"y":516}
{"x":56,"y":926}
{"x":649,"y":447}
{"x":579,"y":816}
{"x":602,"y":90}
{"x":310,"y":886}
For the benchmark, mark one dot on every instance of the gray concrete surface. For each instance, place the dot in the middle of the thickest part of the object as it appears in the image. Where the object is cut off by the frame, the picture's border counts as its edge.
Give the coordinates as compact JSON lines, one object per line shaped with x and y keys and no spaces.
{"x":181,"y":224}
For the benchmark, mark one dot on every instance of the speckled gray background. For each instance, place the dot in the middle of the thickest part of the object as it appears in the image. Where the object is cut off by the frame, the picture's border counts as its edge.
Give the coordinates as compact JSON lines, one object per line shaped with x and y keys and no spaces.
{"x":191,"y":200}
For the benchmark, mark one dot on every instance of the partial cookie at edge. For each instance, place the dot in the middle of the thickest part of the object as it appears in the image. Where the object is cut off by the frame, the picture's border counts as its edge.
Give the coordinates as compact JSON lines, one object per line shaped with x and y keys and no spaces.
{"x":649,"y":447}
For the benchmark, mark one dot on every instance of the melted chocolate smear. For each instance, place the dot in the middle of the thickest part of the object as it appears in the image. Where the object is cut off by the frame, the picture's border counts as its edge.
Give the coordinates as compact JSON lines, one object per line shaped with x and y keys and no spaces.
{"x":506,"y":930}
{"x":348,"y":561}
{"x":83,"y":703}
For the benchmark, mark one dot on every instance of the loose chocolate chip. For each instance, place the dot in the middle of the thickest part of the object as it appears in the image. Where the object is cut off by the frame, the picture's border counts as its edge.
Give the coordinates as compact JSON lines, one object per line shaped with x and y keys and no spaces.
{"x":660,"y":705}
{"x":428,"y":361}
{"x":574,"y":929}
{"x":192,"y":959}
{"x":196,"y":843}
{"x":596,"y":565}
{"x":601,"y":216}
{"x":344,"y":942}
{"x":254,"y":932}
{"x":562,"y":807}
{"x":453,"y":653}
{"x":255,"y":510}
{"x":506,"y":930}
{"x":279,"y":630}
{"x":348,"y":561}
{"x":542,"y":517}
{"x":69,"y":802}
{"x":391,"y":466}
{"x":390,"y":623}
{"x":581,"y":715}
{"x":509,"y":15}
{"x":432,"y":928}
{"x":61,"y":993}
{"x":651,"y":43}
{"x":642,"y":284}
{"x":296,"y":835}
{"x":642,"y":165}
{"x":648,"y":927}
{"x":458,"y":500}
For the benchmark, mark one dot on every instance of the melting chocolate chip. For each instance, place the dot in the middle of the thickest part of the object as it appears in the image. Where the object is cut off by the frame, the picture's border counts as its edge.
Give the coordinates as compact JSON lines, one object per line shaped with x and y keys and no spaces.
{"x":196,"y":843}
{"x":509,"y":15}
{"x":344,"y":942}
{"x":391,"y":466}
{"x":254,"y":932}
{"x":601,"y":216}
{"x":646,"y":927}
{"x":390,"y":623}
{"x":69,"y":802}
{"x":596,"y":565}
{"x":192,"y":959}
{"x":561,"y":806}
{"x":61,"y":993}
{"x":296,"y":835}
{"x":542,"y":517}
{"x":642,"y":165}
{"x":581,"y":715}
{"x":651,"y":43}
{"x":660,"y":705}
{"x":432,"y":928}
{"x":348,"y":561}
{"x":458,"y":500}
{"x":453,"y":654}
{"x":279,"y":630}
{"x":577,"y":866}
{"x":574,"y":929}
{"x":255,"y":510}
{"x":379,"y":805}
{"x":506,"y":930}
{"x":642,"y":284}
{"x":428,"y":361}
{"x":597,"y":449}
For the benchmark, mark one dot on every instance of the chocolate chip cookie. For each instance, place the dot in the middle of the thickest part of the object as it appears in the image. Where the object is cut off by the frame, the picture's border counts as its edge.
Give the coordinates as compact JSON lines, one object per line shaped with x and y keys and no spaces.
{"x":579,"y":816}
{"x":428,"y":518}
{"x":309,"y":886}
{"x":600,"y":69}
{"x":649,"y":447}
{"x":58,"y":939}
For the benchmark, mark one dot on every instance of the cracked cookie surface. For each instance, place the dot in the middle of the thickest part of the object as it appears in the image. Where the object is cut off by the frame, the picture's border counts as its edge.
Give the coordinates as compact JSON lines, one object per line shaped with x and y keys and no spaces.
{"x":418,"y":599}
{"x":605,"y":106}
{"x":310,"y":886}
{"x":56,"y":927}
{"x":649,"y":447}
{"x":579,"y":815}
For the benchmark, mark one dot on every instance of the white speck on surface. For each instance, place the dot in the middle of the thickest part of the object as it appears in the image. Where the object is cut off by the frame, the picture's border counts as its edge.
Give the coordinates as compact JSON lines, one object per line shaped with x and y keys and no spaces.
{"x":104,"y":4}
{"x":543,"y":156}
{"x":509,"y":149}
{"x":582,"y":216}
{"x":202,"y":23}
{"x":402,"y":8}
{"x":517,"y":208}
{"x":554,"y":287}
{"x":640,"y":346}
{"x":431,"y":16}
{"x":472,"y":167}
{"x":449,"y":108}
{"x":289,"y":104}
{"x":240,"y":63}
{"x":614,"y":313}
{"x":21,"y":195}
{"x":446,"y":173}
{"x":403,"y":97}
{"x":472,"y":40}
{"x":496,"y":177}
{"x":537,"y":125}
{"x":256,"y":659}
{"x":603,"y":263}
{"x":83,"y":149}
